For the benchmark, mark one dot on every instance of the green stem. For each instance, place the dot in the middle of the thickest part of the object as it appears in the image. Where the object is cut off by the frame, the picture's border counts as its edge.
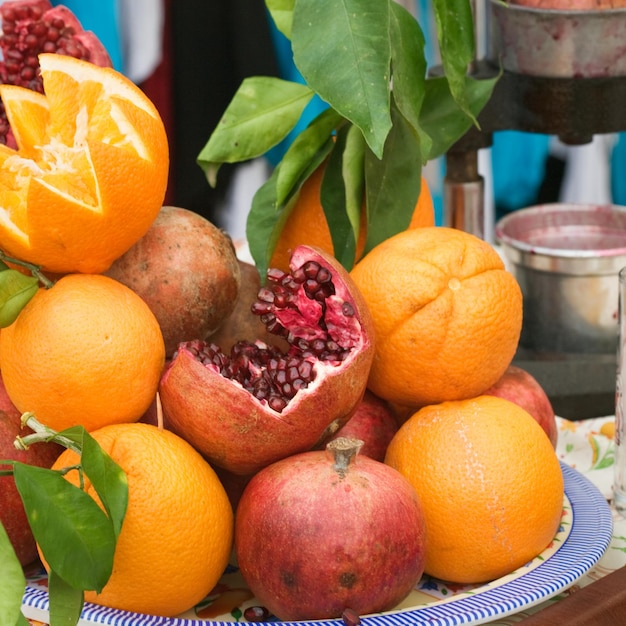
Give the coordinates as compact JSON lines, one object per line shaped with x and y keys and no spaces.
{"x":42,"y":434}
{"x":35,"y":270}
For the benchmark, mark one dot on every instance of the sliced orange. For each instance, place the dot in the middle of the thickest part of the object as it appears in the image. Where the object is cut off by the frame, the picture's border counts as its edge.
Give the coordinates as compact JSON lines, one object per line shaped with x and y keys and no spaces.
{"x":90,"y":172}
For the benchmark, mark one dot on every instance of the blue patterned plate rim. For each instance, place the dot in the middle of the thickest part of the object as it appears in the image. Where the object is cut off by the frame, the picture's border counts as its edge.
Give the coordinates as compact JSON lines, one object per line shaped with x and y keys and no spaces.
{"x":590,"y":535}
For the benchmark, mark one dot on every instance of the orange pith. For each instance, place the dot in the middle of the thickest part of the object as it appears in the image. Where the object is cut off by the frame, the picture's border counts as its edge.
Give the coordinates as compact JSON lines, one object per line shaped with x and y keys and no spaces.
{"x":86,"y":351}
{"x":488,"y":509}
{"x":447,"y":315}
{"x":307,"y":223}
{"x":90,"y":172}
{"x":176,"y":538}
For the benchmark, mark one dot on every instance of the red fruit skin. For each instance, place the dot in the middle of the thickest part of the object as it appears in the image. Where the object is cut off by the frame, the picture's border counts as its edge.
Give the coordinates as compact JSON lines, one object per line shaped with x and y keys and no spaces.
{"x":237,"y":432}
{"x":522,"y":388}
{"x":311,"y":542}
{"x":186,"y":270}
{"x":12,"y":514}
{"x":373,"y":423}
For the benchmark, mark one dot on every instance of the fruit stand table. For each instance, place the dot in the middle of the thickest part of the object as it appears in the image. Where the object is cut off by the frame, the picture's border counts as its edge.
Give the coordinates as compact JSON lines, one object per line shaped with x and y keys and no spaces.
{"x":587,"y":446}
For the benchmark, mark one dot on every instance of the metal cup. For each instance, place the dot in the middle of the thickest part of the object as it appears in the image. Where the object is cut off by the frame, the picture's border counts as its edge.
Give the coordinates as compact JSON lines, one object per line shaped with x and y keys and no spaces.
{"x":619,"y":480}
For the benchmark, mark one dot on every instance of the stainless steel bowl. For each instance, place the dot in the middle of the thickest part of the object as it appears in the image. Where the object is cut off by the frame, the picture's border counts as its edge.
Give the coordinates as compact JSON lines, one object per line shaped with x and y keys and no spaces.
{"x":566,"y":258}
{"x":557,"y":43}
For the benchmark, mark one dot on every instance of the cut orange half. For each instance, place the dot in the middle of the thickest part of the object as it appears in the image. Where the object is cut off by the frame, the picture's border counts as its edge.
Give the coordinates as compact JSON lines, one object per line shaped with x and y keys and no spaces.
{"x":90,"y":172}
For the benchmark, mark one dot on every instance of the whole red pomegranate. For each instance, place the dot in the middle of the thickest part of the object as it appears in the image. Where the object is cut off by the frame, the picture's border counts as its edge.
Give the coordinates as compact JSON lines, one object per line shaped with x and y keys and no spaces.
{"x":258,"y":404}
{"x":33,"y":26}
{"x":324,"y":531}
{"x":186,"y":269}
{"x":374,"y":423}
{"x":522,"y":388}
{"x":12,"y":514}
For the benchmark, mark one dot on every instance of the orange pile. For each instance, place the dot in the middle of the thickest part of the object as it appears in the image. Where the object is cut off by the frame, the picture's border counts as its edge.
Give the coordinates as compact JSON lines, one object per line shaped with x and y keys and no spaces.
{"x":447,"y":315}
{"x":489,"y":482}
{"x":177,"y":535}
{"x":91,"y":170}
{"x":306,"y":223}
{"x":87,"y":351}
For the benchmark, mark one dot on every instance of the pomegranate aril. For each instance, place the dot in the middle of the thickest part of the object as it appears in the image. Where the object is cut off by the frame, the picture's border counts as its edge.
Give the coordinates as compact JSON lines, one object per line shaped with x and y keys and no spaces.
{"x":277,"y":404}
{"x":256,"y":614}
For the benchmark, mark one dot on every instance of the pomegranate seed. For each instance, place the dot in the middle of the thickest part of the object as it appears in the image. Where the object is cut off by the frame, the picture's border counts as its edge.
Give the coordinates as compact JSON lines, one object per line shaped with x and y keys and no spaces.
{"x":256,"y":614}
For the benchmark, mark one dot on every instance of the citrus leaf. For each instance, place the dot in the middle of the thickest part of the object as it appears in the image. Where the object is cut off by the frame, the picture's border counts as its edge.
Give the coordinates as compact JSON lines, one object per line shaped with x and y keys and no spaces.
{"x":305,"y":148}
{"x":13,"y":582}
{"x":261,"y":114}
{"x":107,"y":478}
{"x":441,"y":117}
{"x":354,"y":176}
{"x":75,"y":535}
{"x":282,"y":14}
{"x":342,"y":194}
{"x":333,"y":199}
{"x":16,"y":290}
{"x":392,"y":184}
{"x":408,"y":62}
{"x":342,"y":50}
{"x":66,"y":603}
{"x":263,"y":220}
{"x":455,"y":33}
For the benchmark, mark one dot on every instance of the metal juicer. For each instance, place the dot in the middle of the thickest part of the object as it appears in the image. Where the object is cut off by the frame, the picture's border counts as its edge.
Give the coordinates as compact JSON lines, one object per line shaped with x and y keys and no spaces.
{"x":561,"y":73}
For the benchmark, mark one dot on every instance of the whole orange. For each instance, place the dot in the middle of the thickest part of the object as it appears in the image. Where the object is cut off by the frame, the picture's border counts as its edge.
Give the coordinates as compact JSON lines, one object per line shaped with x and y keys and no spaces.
{"x":91,"y":168}
{"x":177,"y":535}
{"x":86,"y":351}
{"x":306,"y":223}
{"x":447,"y":315}
{"x":489,"y":482}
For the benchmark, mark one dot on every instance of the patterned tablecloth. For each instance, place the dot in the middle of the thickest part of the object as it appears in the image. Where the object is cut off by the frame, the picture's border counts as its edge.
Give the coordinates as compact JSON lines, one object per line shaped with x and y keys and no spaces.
{"x":588,"y":447}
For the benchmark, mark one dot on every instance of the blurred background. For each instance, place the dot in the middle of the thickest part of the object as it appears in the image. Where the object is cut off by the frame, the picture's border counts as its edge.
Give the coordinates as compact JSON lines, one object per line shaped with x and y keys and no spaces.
{"x":190,"y":57}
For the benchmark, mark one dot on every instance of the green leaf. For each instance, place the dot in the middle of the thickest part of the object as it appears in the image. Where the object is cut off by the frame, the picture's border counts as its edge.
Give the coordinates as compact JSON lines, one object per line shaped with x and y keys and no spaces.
{"x":75,"y":535}
{"x":264,"y":219}
{"x":13,"y":582}
{"x":66,"y":603}
{"x":342,"y":194}
{"x":261,"y":114}
{"x":393,"y":184}
{"x":315,"y":139}
{"x":16,"y":290}
{"x":333,"y":200}
{"x":408,"y":62}
{"x":342,"y":50}
{"x":455,"y":33}
{"x":282,"y":14}
{"x":441,"y":116}
{"x":107,"y":478}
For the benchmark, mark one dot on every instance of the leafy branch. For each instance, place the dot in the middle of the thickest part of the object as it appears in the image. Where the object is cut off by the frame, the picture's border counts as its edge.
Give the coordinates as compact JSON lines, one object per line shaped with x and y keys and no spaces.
{"x":76,"y":536}
{"x":386,"y":117}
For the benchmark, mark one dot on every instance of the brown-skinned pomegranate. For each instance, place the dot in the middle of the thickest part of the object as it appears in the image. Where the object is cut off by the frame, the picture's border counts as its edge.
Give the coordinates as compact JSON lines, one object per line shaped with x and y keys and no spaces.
{"x":324,"y":531}
{"x":30,"y":27}
{"x":186,"y":270}
{"x":258,"y":404}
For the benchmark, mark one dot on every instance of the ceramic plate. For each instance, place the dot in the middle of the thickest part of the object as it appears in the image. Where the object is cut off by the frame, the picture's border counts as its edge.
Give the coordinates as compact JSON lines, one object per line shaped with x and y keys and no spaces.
{"x":581,"y":540}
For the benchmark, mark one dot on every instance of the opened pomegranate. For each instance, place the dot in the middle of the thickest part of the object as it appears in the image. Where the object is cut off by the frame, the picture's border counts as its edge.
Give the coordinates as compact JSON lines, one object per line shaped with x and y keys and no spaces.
{"x":329,"y":530}
{"x":258,"y":404}
{"x":33,"y":26}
